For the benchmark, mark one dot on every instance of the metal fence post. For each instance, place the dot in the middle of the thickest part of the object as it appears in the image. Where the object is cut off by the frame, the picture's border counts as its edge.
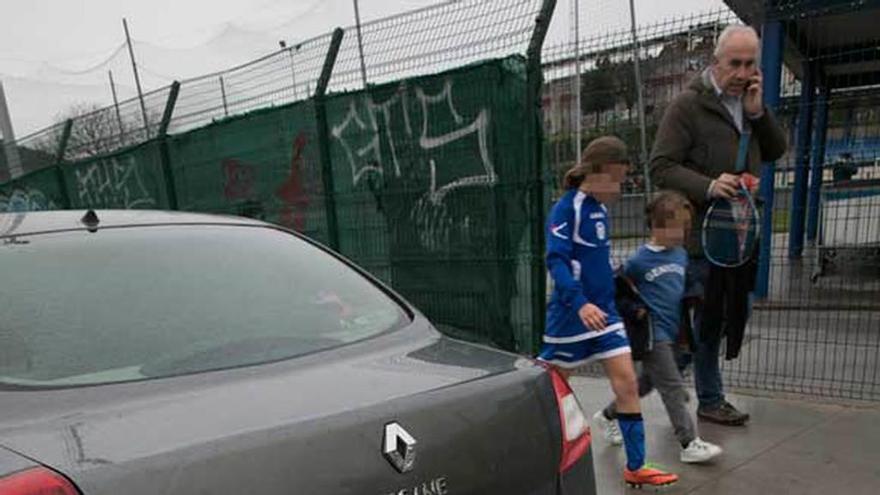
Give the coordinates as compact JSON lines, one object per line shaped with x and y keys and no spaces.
{"x":643,"y":131}
{"x":533,"y":100}
{"x":164,"y":154}
{"x":578,"y":89}
{"x":802,"y":162}
{"x":772,"y":41}
{"x":10,"y":148}
{"x":324,"y":139}
{"x":818,"y":161}
{"x":59,"y":159}
{"x":223,"y":96}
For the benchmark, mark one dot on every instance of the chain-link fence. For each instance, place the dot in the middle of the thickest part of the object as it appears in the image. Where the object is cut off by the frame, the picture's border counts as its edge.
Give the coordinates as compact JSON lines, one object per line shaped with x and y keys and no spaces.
{"x":414,"y":147}
{"x":814,"y":330}
{"x":817,"y":330}
{"x":411,"y":145}
{"x":670,"y":54}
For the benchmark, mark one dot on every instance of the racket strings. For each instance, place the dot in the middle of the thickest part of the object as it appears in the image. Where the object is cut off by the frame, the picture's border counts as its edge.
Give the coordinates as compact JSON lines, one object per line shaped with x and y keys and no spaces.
{"x":730,"y":231}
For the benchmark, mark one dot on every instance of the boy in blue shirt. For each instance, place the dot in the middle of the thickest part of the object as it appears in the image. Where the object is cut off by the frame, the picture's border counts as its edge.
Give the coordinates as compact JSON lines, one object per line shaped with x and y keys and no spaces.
{"x":583,"y":324}
{"x":658,"y":271}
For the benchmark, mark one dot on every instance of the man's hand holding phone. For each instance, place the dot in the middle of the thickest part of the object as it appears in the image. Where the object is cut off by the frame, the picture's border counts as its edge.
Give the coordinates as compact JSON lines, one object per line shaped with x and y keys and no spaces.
{"x":753,"y":100}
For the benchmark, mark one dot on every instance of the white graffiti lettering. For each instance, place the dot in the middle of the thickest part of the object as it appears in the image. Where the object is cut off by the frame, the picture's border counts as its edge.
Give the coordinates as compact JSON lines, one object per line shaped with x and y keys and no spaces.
{"x":28,"y":199}
{"x":113,"y":183}
{"x":435,"y":227}
{"x":386,"y":108}
{"x":432,"y":224}
{"x":361,"y":135}
{"x":358,"y":169}
{"x":480,"y":126}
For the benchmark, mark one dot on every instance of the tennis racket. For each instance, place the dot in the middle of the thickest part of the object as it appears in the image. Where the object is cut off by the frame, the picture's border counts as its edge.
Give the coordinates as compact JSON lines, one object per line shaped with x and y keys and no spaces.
{"x":731,"y":226}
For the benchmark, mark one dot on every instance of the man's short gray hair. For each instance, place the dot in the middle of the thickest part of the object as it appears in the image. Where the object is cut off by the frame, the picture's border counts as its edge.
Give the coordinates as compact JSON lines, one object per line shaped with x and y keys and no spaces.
{"x":729,"y":32}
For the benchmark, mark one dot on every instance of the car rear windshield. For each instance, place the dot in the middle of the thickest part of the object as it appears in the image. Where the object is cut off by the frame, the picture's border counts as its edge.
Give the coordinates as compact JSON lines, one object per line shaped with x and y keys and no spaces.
{"x":125,"y":304}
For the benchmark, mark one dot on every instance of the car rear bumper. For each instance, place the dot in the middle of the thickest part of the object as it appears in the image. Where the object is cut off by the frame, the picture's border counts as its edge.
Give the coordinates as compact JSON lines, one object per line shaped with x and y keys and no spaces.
{"x":579,"y":479}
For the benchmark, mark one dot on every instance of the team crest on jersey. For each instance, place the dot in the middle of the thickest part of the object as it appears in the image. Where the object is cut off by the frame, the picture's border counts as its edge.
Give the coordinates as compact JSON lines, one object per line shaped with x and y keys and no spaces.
{"x":600,"y":231}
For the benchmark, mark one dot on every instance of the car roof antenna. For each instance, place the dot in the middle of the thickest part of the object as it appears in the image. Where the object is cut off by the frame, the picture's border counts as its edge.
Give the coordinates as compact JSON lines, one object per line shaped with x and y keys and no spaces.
{"x":91,"y":221}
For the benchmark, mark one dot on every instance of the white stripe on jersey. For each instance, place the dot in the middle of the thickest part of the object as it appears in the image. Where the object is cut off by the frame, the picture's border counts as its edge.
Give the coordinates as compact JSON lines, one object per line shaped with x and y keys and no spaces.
{"x":584,"y":336}
{"x":578,"y":204}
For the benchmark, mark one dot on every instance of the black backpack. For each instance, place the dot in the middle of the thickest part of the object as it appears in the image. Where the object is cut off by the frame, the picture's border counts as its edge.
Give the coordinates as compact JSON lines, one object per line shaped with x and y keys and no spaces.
{"x":635,"y":314}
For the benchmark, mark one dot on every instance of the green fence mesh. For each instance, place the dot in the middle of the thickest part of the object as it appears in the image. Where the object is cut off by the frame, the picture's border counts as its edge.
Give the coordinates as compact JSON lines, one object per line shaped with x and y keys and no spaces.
{"x":263,"y":165}
{"x":429,"y":189}
{"x":430,"y":182}
{"x":37,"y":191}
{"x":130,"y":179}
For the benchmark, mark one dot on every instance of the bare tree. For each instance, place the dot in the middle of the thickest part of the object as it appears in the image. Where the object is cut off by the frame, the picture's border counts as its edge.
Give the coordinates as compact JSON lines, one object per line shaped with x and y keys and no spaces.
{"x":97,"y":131}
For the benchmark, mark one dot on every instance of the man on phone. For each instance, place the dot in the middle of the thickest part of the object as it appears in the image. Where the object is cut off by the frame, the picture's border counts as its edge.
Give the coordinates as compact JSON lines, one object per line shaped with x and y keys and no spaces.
{"x":695,"y":153}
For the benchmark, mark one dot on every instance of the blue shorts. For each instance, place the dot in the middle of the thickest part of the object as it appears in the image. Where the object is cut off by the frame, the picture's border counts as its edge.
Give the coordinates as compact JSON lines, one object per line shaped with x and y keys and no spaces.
{"x":603,"y":345}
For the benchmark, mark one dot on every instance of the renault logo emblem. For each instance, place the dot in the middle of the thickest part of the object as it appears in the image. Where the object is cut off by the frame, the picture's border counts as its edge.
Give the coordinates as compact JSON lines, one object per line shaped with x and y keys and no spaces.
{"x":399,"y":447}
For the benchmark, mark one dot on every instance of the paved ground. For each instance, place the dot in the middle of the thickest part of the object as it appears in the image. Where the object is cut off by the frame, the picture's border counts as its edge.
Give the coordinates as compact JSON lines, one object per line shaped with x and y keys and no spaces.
{"x":790,"y":447}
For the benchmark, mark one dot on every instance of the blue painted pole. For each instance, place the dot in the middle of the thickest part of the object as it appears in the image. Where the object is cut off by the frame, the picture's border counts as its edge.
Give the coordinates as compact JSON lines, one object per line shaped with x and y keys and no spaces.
{"x":771,"y":65}
{"x":817,"y":166}
{"x":802,"y":163}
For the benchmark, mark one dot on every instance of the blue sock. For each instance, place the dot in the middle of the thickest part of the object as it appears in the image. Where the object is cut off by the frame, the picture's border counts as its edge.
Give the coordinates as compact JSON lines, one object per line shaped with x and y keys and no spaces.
{"x":633,"y":429}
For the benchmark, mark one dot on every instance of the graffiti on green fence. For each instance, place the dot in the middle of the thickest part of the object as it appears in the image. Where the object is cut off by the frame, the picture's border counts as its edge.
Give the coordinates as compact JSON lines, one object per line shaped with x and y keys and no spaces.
{"x":292,"y":192}
{"x":291,"y":198}
{"x":114,"y":182}
{"x":429,"y":178}
{"x":418,"y":140}
{"x":428,"y":185}
{"x":25,"y":199}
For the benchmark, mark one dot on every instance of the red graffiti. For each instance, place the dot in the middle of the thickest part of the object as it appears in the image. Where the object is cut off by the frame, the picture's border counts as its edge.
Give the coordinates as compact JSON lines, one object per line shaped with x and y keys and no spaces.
{"x":292,"y":191}
{"x":240,"y":179}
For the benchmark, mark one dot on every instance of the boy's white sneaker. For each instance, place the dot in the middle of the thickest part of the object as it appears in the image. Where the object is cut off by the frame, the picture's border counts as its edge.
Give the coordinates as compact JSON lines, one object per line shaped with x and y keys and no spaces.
{"x":609,"y":428}
{"x":699,"y":451}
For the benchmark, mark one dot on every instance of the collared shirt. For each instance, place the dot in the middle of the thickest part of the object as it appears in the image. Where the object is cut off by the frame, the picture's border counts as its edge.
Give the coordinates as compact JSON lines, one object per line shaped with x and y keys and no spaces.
{"x":733,"y":104}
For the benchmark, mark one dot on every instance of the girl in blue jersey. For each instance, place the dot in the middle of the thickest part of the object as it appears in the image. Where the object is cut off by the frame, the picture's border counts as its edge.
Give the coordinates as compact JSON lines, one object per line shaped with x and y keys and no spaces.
{"x":582,"y":321}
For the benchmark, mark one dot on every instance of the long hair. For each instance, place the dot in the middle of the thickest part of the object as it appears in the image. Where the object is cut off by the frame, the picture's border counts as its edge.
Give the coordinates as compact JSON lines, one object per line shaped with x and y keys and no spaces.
{"x":576,"y":175}
{"x":601,"y":151}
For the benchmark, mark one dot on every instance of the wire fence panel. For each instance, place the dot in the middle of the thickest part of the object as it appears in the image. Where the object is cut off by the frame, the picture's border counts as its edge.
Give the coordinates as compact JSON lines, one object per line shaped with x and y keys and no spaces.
{"x":427,"y":176}
{"x":430,"y":193}
{"x":37,"y":150}
{"x":816,"y":331}
{"x":423,"y":177}
{"x":261,"y":165}
{"x":39,"y":192}
{"x":670,"y":54}
{"x":428,"y":40}
{"x":128,"y":180}
{"x":275,"y":80}
{"x":434,"y":39}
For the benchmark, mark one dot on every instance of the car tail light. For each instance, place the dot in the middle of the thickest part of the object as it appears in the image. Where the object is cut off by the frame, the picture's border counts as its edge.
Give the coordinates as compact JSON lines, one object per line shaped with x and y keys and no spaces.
{"x":36,"y":481}
{"x":575,"y":431}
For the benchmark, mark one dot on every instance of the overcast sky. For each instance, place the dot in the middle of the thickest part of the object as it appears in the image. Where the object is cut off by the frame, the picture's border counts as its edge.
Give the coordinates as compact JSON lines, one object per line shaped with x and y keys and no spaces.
{"x":54,"y":53}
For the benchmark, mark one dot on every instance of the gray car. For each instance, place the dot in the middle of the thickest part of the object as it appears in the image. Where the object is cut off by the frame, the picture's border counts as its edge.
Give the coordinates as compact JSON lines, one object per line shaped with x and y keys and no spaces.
{"x":169,"y":353}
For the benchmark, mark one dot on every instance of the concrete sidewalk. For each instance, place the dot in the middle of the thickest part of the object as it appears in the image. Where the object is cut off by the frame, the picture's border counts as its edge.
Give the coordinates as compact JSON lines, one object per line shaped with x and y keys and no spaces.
{"x":789,"y":447}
